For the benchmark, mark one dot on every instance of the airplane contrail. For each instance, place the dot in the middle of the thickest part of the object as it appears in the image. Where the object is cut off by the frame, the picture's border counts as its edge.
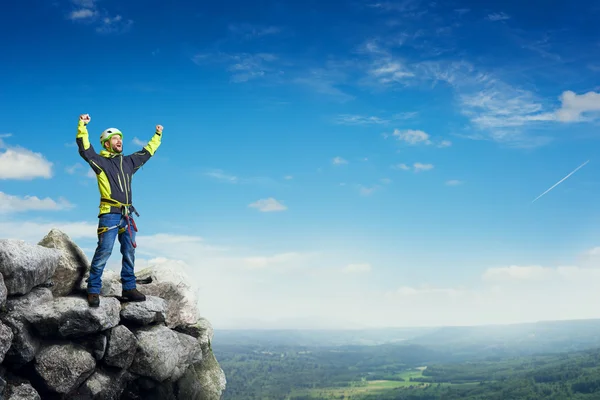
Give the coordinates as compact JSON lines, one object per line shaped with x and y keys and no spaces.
{"x":559,"y":182}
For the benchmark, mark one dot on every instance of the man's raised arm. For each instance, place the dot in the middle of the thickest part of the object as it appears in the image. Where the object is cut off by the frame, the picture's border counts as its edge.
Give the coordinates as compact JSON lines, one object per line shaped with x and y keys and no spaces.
{"x":139,"y":158}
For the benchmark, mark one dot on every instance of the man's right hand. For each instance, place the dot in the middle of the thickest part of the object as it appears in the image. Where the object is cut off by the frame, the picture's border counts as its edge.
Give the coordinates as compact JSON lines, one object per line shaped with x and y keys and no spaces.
{"x":85,"y":118}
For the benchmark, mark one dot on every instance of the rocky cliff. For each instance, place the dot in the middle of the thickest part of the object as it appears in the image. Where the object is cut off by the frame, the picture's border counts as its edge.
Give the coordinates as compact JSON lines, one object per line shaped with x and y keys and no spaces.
{"x":54,"y":346}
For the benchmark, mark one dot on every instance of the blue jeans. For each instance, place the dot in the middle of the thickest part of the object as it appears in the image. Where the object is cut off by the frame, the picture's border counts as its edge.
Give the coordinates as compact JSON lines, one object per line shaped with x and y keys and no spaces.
{"x":104,"y":249}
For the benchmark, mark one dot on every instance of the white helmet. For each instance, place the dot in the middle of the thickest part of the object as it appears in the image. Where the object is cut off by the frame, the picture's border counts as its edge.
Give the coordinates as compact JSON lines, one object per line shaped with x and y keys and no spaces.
{"x":108,"y":133}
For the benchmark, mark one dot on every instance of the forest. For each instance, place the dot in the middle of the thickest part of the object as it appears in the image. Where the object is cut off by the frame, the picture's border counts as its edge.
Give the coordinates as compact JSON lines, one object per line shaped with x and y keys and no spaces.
{"x":556,"y":365}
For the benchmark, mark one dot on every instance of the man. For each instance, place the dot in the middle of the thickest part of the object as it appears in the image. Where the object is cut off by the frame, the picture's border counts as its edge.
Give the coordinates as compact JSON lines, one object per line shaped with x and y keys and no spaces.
{"x":114,"y":172}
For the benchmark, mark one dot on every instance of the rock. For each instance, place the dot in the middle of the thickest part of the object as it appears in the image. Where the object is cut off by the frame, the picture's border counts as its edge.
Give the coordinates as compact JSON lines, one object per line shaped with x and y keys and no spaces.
{"x":3,"y":292}
{"x":23,"y":391}
{"x":158,"y":352}
{"x":172,"y":287}
{"x":207,"y":382}
{"x":72,"y":264}
{"x":72,"y":316}
{"x":121,"y":348}
{"x":190,"y":353}
{"x":6,"y":337}
{"x":63,"y":367}
{"x":95,"y":344}
{"x":25,"y":344}
{"x":202,"y":330}
{"x":105,"y":385}
{"x":25,"y":266}
{"x":145,"y":312}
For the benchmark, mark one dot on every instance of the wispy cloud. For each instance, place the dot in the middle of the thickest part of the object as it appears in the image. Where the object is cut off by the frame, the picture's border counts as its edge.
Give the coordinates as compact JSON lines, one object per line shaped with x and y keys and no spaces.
{"x":243,"y":67}
{"x":339,"y":161}
{"x":221,"y":175}
{"x":87,"y":11}
{"x":412,"y":136}
{"x":250,"y":31}
{"x":498,"y":16}
{"x":416,"y":167}
{"x":349,"y":119}
{"x":454,"y":182}
{"x":268,"y":205}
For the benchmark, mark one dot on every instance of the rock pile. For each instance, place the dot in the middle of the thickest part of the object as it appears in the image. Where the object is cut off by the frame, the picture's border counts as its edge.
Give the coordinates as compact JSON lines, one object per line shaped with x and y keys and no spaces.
{"x":54,"y":346}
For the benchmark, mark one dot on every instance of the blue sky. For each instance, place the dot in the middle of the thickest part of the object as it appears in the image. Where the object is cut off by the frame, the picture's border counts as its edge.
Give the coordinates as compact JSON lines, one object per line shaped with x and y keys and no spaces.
{"x":354,"y":163}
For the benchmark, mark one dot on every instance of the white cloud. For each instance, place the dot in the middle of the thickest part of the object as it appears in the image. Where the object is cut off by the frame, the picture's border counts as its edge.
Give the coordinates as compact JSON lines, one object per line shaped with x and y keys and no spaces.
{"x":14,"y":204}
{"x":412,"y":136}
{"x":445,"y":143}
{"x":261,"y":262}
{"x":288,"y":177}
{"x":268,"y":205}
{"x":573,"y":106}
{"x":349,"y":119}
{"x":24,"y":164}
{"x":453,"y":182}
{"x":87,"y":11}
{"x":83,"y":13}
{"x":402,"y":166}
{"x":422,"y":167}
{"x":515,"y":272}
{"x":339,"y":161}
{"x":357,"y":268}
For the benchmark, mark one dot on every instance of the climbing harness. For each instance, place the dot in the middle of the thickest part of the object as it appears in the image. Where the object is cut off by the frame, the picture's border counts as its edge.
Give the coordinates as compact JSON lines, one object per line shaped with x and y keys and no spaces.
{"x":126,"y":210}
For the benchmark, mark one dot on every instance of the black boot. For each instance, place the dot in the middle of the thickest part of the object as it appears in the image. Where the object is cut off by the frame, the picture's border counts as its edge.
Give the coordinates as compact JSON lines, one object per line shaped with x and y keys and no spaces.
{"x":133,"y":295}
{"x":93,"y":299}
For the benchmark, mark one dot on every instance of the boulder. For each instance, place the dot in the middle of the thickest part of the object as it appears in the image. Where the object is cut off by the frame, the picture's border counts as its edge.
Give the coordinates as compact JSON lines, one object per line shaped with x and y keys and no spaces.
{"x":173,"y":287}
{"x":21,"y":391}
{"x":72,"y":264}
{"x":121,"y":348}
{"x":71,"y":316}
{"x":144,"y":312}
{"x":63,"y":367}
{"x":25,"y":343}
{"x":6,"y":337}
{"x":25,"y":266}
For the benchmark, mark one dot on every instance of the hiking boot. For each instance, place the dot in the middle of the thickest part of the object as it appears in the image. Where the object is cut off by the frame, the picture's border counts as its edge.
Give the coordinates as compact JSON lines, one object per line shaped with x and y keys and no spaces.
{"x":133,"y":295}
{"x":93,"y":299}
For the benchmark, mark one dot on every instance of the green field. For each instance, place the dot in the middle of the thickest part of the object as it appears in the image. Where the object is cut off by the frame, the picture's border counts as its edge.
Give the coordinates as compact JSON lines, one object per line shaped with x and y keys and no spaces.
{"x":357,"y":389}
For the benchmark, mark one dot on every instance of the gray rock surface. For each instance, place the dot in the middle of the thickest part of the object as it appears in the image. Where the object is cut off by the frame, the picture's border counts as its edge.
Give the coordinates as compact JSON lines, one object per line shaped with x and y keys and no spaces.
{"x":173,"y":287}
{"x":153,"y":310}
{"x":6,"y":337}
{"x":105,"y":385}
{"x":63,"y":367}
{"x":23,"y":391}
{"x":25,"y":266}
{"x":111,"y":284}
{"x":3,"y":292}
{"x":72,"y":263}
{"x":71,"y":316}
{"x":158,"y":352}
{"x":25,"y":344}
{"x":121,"y":348}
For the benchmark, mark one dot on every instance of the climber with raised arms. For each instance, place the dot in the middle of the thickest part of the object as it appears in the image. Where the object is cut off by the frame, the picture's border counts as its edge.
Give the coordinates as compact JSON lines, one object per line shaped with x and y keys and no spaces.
{"x":114,"y":172}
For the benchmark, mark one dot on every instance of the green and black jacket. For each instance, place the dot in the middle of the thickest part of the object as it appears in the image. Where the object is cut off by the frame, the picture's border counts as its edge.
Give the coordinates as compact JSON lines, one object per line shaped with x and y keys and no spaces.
{"x":114,"y":171}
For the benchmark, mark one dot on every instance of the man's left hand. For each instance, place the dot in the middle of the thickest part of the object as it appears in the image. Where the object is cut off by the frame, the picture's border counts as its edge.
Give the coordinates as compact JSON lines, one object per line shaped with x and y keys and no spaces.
{"x":159,"y":128}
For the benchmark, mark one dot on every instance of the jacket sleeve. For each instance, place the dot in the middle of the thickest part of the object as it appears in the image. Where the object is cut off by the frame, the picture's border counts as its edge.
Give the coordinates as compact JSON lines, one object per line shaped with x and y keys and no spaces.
{"x":139,"y":158}
{"x":86,"y":150}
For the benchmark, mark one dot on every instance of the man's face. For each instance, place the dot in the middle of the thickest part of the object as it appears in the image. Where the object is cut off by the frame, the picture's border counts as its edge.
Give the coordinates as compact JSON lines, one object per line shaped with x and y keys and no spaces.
{"x":115,"y":144}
